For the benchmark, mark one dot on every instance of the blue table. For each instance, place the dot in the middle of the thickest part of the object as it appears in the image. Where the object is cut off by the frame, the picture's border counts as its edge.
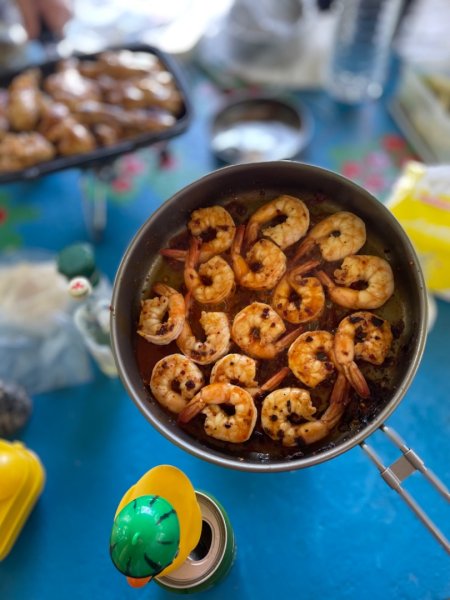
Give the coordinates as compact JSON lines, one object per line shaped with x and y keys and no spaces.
{"x":335,"y":531}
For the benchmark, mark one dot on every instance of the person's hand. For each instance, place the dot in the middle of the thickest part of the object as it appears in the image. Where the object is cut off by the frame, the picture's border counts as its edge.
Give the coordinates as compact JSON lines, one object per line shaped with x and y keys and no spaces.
{"x":53,"y":13}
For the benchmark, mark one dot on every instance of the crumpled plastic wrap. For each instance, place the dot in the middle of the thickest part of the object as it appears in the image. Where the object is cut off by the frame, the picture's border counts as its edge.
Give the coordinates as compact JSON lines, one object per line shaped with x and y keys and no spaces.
{"x":420,"y":200}
{"x":40,"y":348}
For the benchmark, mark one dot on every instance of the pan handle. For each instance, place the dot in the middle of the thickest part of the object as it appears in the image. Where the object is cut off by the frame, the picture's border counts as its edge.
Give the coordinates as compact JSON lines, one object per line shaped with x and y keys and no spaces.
{"x":402,"y":468}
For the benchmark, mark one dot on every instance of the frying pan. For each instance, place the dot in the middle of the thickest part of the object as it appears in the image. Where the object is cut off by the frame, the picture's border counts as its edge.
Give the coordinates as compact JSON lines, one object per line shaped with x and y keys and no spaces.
{"x":271,"y":179}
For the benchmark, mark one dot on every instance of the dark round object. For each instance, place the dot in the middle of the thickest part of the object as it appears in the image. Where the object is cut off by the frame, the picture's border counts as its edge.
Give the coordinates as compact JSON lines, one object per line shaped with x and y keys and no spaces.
{"x":272,"y":179}
{"x":15,"y":408}
{"x":255,"y":129}
{"x":78,"y":260}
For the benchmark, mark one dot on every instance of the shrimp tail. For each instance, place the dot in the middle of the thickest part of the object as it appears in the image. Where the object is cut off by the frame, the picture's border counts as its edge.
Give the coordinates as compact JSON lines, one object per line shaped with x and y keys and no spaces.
{"x":174,"y":253}
{"x":341,"y":388}
{"x":192,"y":409}
{"x":193,"y":255}
{"x":240,"y":267}
{"x":188,"y":302}
{"x":162,"y":289}
{"x":287,"y":340}
{"x":275,"y":380}
{"x":306,"y":246}
{"x":317,"y":430}
{"x":194,"y":252}
{"x":238,"y":240}
{"x":325,"y":280}
{"x":251,"y":232}
{"x":357,"y":379}
{"x":302,"y":269}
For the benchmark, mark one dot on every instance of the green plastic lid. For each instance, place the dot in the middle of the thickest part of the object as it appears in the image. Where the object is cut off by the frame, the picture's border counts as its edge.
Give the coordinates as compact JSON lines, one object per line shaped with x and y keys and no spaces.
{"x":145,"y":537}
{"x":78,"y":260}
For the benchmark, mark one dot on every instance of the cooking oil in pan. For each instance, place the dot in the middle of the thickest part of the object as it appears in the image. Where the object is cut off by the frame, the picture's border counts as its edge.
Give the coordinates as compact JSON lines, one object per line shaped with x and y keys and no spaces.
{"x":383,"y":381}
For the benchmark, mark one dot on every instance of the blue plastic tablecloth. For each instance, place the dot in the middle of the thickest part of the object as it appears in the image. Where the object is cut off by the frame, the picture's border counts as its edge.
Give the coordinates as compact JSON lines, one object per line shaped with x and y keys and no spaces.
{"x":332,"y":531}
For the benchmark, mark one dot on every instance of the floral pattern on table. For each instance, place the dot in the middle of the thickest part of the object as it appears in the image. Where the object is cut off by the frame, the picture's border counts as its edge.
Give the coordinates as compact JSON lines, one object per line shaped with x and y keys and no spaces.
{"x":375,"y":166}
{"x":12,"y":215}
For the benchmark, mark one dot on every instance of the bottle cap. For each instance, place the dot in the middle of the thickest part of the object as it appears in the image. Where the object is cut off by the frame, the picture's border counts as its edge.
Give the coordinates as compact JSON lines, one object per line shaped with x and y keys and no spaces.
{"x":78,"y":260}
{"x":79,"y":287}
{"x":145,"y":537}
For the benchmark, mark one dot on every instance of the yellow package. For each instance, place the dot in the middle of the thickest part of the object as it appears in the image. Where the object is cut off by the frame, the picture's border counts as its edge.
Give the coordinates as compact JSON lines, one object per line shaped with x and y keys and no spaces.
{"x":421,"y":202}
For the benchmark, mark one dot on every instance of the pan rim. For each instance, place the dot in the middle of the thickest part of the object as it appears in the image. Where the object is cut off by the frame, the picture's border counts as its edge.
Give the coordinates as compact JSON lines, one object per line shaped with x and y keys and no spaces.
{"x":176,"y":435}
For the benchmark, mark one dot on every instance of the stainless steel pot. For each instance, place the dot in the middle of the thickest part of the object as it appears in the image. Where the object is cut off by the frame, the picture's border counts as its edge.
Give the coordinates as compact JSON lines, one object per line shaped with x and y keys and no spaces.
{"x":273,"y":178}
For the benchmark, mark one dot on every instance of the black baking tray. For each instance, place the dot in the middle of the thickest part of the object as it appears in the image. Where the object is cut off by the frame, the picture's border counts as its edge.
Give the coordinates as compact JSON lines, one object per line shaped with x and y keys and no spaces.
{"x":101,"y":156}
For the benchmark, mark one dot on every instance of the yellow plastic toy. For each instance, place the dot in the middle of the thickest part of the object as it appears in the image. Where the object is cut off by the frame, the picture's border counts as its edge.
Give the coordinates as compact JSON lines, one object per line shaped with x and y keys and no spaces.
{"x":162,"y":483}
{"x":22,"y":479}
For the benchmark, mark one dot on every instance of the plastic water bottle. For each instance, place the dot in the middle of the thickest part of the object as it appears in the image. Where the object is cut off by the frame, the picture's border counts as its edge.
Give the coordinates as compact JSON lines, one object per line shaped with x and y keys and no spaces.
{"x":359,"y":54}
{"x":93,"y":292}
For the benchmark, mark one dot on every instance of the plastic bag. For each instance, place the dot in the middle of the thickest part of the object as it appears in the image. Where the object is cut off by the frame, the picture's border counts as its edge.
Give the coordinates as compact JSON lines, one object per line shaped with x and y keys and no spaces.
{"x":40,"y":348}
{"x":421,"y":202}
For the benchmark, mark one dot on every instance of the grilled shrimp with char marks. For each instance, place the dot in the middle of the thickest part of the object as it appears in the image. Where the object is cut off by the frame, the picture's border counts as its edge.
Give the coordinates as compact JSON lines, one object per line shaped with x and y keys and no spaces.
{"x":175,"y":380}
{"x":285,"y":411}
{"x":373,"y":272}
{"x":213,"y":282}
{"x":219,"y":423}
{"x":236,"y":369}
{"x":257,"y":329}
{"x":153,"y":325}
{"x":284,"y":234}
{"x":299,"y":299}
{"x":217,"y":332}
{"x":263,"y":266}
{"x":337,"y":236}
{"x":240,"y":370}
{"x":311,"y":357}
{"x":214,"y":227}
{"x":365,"y":336}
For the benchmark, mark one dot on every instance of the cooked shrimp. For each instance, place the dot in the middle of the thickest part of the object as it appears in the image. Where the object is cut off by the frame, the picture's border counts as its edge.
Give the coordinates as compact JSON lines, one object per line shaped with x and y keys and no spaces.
{"x":257,"y":329}
{"x":217,"y":342}
{"x":263,"y":266}
{"x":152,"y":324}
{"x":214,"y":227}
{"x":175,"y":380}
{"x":372,"y":273}
{"x":284,"y":410}
{"x":214,"y":280}
{"x":219,"y":423}
{"x":361,"y":335}
{"x":284,"y":234}
{"x":299,"y":299}
{"x":282,"y":413}
{"x":337,"y":236}
{"x":237,"y":369}
{"x":240,"y":370}
{"x":311,"y":357}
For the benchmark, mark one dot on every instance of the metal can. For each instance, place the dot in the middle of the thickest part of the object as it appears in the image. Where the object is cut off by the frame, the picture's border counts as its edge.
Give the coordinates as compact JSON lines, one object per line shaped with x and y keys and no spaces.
{"x":212,"y":558}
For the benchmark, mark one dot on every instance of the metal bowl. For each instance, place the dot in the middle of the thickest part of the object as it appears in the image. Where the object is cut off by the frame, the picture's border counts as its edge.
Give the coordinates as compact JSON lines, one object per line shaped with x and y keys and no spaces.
{"x":272,"y":178}
{"x":260,"y":128}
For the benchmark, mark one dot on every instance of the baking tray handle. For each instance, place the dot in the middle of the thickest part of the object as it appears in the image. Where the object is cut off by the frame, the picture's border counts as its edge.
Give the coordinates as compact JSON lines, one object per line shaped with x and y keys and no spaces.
{"x":402,"y":468}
